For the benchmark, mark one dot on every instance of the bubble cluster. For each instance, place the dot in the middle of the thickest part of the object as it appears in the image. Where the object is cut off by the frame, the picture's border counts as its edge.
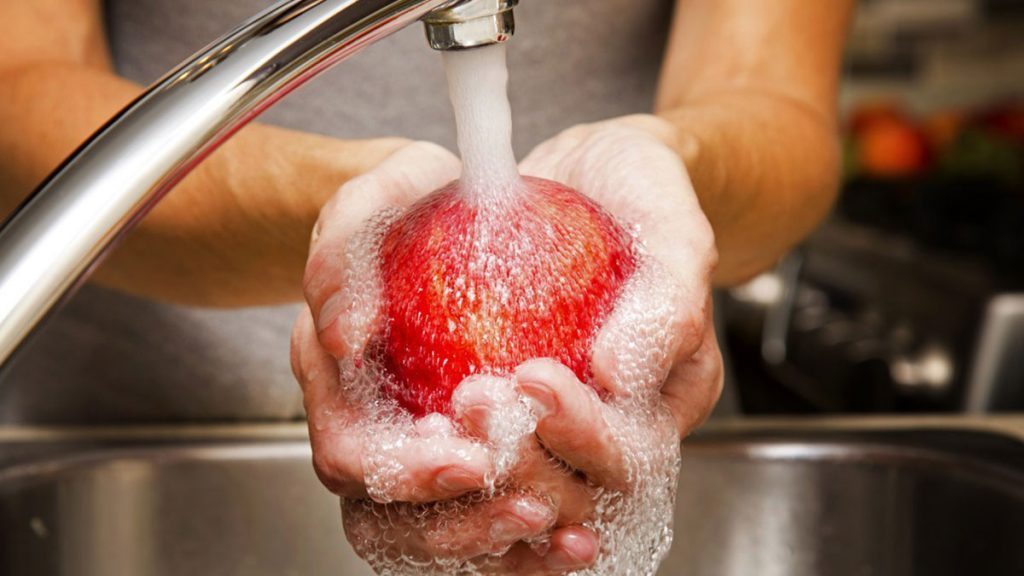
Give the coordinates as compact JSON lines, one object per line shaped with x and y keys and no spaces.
{"x":636,"y":525}
{"x":400,"y":538}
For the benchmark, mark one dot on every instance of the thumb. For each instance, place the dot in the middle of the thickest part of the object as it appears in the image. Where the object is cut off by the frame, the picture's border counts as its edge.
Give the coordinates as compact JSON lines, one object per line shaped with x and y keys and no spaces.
{"x":342,"y":238}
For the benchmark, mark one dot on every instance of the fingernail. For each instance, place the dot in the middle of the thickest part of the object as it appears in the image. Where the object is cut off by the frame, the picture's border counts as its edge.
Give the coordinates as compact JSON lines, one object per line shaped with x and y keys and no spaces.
{"x":508,"y":528}
{"x":573,"y":552}
{"x":478,"y":417}
{"x":329,"y":312}
{"x":541,"y":398}
{"x":457,"y":480}
{"x":562,"y":560}
{"x":526,"y":517}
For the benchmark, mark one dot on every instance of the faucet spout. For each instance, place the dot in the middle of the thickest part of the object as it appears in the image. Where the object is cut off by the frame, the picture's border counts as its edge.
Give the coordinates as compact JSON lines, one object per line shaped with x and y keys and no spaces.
{"x":60,"y":233}
{"x":470,"y":23}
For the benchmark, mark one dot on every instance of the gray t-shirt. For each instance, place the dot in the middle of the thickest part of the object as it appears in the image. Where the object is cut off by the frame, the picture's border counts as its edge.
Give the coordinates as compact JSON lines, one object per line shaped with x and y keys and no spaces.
{"x":110,"y":357}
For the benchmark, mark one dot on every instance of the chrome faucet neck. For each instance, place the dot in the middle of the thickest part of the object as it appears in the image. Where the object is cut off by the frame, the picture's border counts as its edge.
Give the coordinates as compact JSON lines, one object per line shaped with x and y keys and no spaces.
{"x":56,"y":238}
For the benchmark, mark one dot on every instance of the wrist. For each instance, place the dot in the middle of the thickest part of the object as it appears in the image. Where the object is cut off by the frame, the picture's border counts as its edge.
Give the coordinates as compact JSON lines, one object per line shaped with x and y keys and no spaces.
{"x":313,"y":169}
{"x":236,"y":231}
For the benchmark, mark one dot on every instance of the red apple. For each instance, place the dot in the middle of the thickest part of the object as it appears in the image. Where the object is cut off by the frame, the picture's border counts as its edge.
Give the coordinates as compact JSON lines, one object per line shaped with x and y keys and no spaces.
{"x":477,"y":287}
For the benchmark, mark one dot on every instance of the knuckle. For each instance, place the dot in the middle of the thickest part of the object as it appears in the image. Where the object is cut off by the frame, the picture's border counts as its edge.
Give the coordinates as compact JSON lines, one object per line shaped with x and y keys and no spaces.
{"x":708,"y":247}
{"x":296,"y":361}
{"x":333,"y":204}
{"x":579,"y":442}
{"x":636,"y":127}
{"x":689,"y":326}
{"x":692,"y":398}
{"x":605,"y":139}
{"x":429,"y":151}
{"x":702,"y":245}
{"x":691,"y":317}
{"x":708,"y":395}
{"x":324,"y":466}
{"x":314,"y":236}
{"x":331,"y":472}
{"x":577,"y":132}
{"x":585,"y":436}
{"x":714,"y":377}
{"x":421,"y":161}
{"x":298,"y":344}
{"x":367,"y":186}
{"x":677,"y":411}
{"x":653,"y":124}
{"x":312,"y":277}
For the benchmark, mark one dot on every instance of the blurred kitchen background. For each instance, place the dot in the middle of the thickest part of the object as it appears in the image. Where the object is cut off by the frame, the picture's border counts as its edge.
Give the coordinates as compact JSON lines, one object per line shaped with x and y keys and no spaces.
{"x":911,"y":297}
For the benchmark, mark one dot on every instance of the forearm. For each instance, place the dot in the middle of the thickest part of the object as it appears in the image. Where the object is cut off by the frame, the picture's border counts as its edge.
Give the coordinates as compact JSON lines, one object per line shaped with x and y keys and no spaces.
{"x":765,"y":168}
{"x":235,"y":232}
{"x":751,"y":89}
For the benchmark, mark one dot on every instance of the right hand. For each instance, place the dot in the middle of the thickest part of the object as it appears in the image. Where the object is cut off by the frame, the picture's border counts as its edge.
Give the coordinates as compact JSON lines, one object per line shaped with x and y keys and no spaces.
{"x":435,"y":465}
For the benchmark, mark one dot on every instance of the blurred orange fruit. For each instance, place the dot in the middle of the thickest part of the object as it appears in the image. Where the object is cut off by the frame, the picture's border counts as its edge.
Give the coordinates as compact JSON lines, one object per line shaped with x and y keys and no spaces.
{"x":890,"y":146}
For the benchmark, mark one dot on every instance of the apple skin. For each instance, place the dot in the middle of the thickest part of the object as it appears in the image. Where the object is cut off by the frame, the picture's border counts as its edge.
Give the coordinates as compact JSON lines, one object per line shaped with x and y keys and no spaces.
{"x":478,"y":287}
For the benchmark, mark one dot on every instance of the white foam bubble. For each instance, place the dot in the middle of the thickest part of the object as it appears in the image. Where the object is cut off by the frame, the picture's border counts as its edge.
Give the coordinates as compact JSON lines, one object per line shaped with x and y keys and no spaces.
{"x":506,"y":431}
{"x":636,"y":525}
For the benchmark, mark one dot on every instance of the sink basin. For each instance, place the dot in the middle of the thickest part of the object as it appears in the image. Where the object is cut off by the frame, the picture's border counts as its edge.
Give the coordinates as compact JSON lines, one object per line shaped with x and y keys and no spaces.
{"x":752,"y":502}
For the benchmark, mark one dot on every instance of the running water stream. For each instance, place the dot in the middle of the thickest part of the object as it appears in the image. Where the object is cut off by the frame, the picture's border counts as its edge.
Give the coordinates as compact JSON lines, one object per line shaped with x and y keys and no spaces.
{"x":477,"y":86}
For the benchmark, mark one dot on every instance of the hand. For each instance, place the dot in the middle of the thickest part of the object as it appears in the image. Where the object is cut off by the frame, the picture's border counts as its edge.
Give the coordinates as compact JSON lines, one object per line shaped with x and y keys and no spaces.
{"x":631,"y":167}
{"x":321,"y":336}
{"x":413,"y":473}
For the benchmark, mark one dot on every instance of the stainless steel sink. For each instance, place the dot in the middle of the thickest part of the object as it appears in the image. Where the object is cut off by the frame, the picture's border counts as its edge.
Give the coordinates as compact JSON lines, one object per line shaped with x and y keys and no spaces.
{"x":752,"y":502}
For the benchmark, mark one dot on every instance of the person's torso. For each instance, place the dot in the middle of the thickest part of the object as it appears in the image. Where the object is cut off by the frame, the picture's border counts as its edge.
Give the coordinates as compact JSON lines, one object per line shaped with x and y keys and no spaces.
{"x":111,"y":357}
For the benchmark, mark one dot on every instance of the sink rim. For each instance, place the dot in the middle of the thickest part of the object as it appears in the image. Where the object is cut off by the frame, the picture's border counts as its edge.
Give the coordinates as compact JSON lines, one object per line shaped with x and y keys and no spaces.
{"x":980,"y":456}
{"x":1010,"y":425}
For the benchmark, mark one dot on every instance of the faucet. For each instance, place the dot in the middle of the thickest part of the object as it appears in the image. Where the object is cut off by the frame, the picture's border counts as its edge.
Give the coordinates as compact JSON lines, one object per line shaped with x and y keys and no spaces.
{"x":51,"y":243}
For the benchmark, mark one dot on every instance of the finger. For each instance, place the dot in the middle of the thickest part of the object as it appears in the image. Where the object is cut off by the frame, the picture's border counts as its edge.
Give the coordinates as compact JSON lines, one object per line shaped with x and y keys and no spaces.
{"x":695,"y":384}
{"x":654,"y":326}
{"x":403,"y":177}
{"x":488,"y":408}
{"x":336,"y":450}
{"x":311,"y":370}
{"x":452,"y":531}
{"x":421,"y":468}
{"x":572,"y":548}
{"x":568,"y":491}
{"x":488,"y":528}
{"x":573,"y":423}
{"x":478,"y":398}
